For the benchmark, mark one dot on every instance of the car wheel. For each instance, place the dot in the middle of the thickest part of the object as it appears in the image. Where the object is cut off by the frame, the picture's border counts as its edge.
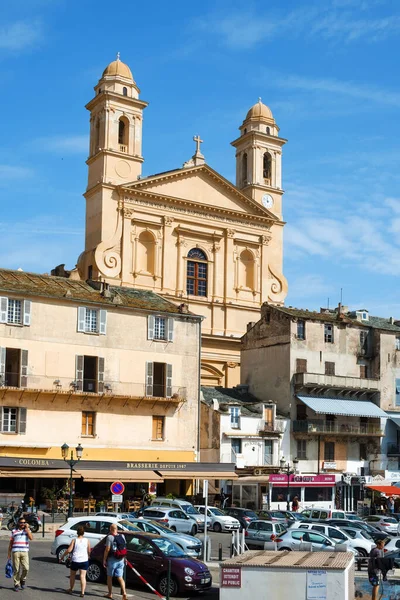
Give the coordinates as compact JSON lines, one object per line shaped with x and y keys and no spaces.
{"x":163,"y":585}
{"x":281,"y":549}
{"x":193,"y":531}
{"x":362,"y":552}
{"x":217,"y":527}
{"x":173,"y":528}
{"x":61,"y":554}
{"x":95,"y":573}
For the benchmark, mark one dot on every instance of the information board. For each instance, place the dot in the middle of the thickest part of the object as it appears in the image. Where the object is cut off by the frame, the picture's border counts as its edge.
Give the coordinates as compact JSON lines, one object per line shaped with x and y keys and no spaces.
{"x":316,"y":585}
{"x":231,"y":577}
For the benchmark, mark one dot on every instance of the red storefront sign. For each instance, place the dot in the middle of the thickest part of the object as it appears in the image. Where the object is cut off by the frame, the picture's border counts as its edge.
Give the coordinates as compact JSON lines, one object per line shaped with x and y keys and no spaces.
{"x":303,"y":480}
{"x":231,"y":577}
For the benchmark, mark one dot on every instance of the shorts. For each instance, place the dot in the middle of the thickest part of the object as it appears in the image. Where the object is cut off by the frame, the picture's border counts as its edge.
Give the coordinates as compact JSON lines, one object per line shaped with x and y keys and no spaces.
{"x":374,"y":580}
{"x":79,"y":566}
{"x":115,"y":568}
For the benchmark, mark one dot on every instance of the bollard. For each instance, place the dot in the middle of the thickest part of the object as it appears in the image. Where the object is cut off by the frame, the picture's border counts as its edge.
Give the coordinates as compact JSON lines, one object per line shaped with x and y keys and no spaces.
{"x":220,"y":552}
{"x":43,"y":524}
{"x":208,"y":554}
{"x":168,"y":580}
{"x":232,"y":543}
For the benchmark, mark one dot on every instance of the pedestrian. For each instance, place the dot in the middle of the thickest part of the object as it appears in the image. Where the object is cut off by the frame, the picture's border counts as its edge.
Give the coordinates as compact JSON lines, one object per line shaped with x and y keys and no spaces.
{"x":80,"y":548}
{"x":18,"y":550}
{"x":390,"y":505}
{"x":295,"y":504}
{"x":1,"y":518}
{"x":374,"y":572}
{"x":114,"y":561}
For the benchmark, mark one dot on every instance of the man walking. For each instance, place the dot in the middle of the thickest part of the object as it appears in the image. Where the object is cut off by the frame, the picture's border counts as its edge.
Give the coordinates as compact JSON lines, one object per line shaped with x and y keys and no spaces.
{"x":114,"y":559}
{"x":18,"y":550}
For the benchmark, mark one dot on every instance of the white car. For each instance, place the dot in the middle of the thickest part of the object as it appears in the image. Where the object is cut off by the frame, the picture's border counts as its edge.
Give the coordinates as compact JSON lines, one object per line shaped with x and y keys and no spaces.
{"x":95,"y":530}
{"x":340,"y":536}
{"x":294,"y":538}
{"x":384,"y":523}
{"x":219,"y":521}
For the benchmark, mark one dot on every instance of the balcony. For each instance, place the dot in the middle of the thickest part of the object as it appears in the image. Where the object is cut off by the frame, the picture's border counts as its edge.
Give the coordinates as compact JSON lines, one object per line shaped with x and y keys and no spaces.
{"x":336,"y":382}
{"x":340,"y":428}
{"x":68,"y":387}
{"x":275,"y":428}
{"x":123,"y":148}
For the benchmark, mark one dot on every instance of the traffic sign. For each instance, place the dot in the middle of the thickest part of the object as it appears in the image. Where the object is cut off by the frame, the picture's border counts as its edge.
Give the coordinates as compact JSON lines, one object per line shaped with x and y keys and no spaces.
{"x":117,"y":498}
{"x":117,"y":487}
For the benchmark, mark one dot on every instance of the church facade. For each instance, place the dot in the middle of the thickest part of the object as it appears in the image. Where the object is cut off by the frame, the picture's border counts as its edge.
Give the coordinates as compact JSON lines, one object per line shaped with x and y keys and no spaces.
{"x":187,"y":234}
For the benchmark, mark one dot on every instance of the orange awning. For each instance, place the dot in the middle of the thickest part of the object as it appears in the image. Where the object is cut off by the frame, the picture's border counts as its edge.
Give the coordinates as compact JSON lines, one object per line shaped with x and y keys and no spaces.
{"x":388,"y":490}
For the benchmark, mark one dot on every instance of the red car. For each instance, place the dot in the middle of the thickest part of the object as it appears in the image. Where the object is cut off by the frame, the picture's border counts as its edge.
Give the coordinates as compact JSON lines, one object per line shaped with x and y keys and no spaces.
{"x":149,"y":554}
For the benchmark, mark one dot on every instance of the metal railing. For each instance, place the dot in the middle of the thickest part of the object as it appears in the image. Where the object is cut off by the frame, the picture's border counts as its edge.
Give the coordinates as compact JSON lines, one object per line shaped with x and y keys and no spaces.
{"x":336,"y":381}
{"x":339,"y":427}
{"x":277,"y":426}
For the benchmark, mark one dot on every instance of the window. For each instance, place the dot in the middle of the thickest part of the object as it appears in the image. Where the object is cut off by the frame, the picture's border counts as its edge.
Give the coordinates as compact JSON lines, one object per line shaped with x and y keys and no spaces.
{"x":123,"y":130}
{"x":301,"y":330}
{"x":90,"y":272}
{"x":363,"y":451}
{"x":397,"y":392}
{"x":267,"y":164}
{"x":12,"y":420}
{"x":235,"y":416}
{"x":301,"y":365}
{"x":329,"y":451}
{"x":244,"y":168}
{"x":318,"y":494}
{"x":15,"y":312}
{"x":160,"y":328}
{"x":329,"y":368}
{"x":328,"y":333}
{"x":158,"y":380}
{"x":301,"y":412}
{"x":158,"y":428}
{"x":92,"y":320}
{"x":363,"y":337}
{"x":196,"y":284}
{"x":236,"y":449}
{"x":125,"y":91}
{"x":88,"y":423}
{"x":363,"y":372}
{"x":397,"y":342}
{"x":268,"y":452}
{"x":302,"y":449}
{"x":246,"y":269}
{"x":13,"y":367}
{"x":89,"y":526}
{"x":268,"y":130}
{"x":89,"y":374}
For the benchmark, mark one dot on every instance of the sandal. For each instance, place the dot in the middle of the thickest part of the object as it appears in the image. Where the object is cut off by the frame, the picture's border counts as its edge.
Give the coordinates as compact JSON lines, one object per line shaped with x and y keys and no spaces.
{"x":69,"y":591}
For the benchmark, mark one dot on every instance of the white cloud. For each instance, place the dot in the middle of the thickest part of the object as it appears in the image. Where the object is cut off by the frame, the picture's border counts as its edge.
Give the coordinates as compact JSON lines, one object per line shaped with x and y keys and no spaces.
{"x":20,"y":35}
{"x":14,"y":172}
{"x":72,"y":144}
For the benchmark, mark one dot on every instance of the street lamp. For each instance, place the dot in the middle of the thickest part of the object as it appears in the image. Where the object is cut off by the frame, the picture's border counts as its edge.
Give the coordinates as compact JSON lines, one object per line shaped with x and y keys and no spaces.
{"x":286,"y":468}
{"x":71,"y":462}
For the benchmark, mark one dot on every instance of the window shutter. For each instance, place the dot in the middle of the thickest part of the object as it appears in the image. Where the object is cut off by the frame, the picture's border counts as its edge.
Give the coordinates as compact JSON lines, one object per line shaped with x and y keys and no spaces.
{"x":149,"y":378}
{"x":170,"y":326}
{"x":22,"y":421}
{"x":79,"y":372}
{"x":155,"y":423}
{"x":169,"y":382}
{"x":81,"y":318}
{"x":2,"y":366}
{"x":102,"y":322}
{"x":27,"y":312}
{"x":3,"y":309}
{"x":100,"y":375}
{"x":150,"y":327}
{"x":84,"y":423}
{"x":1,"y":419}
{"x":24,"y":369}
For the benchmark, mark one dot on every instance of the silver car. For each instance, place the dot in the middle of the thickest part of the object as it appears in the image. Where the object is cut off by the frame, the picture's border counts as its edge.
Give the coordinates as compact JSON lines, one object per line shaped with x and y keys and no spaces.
{"x":294,"y":538}
{"x":192,"y":546}
{"x":259,"y":532}
{"x":174,"y":518}
{"x":383,"y":523}
{"x":219,"y":521}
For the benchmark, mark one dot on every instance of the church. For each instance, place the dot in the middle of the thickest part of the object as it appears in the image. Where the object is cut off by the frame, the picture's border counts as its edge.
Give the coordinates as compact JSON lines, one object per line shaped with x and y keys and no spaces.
{"x":188,"y":234}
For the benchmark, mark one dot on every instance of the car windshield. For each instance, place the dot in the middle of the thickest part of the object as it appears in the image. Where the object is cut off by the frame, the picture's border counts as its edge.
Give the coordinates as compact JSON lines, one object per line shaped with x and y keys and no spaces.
{"x":216,"y":511}
{"x":277,"y":514}
{"x":250,"y":513}
{"x":366,"y":535}
{"x":161,"y":526}
{"x":167,"y":547}
{"x":128,"y":525}
{"x":189,"y":509}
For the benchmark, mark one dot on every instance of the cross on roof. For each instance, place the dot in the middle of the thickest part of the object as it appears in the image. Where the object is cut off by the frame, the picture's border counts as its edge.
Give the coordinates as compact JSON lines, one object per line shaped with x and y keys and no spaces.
{"x":196,"y":138}
{"x":118,"y":55}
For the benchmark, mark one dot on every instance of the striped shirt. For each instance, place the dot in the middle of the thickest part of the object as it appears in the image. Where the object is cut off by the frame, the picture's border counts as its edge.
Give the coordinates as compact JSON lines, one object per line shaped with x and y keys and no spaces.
{"x":20,"y":541}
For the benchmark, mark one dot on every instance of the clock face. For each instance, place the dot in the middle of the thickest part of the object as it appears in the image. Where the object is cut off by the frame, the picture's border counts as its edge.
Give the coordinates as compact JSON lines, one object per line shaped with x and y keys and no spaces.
{"x":267,"y":201}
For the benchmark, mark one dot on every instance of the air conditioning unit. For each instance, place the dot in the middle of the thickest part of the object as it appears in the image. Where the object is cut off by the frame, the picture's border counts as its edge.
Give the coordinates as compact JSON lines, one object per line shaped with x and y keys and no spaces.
{"x":258,"y":471}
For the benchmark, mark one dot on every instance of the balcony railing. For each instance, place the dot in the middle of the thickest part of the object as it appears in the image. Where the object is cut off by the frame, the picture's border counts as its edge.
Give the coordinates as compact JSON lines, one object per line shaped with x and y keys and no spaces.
{"x":337,"y":427}
{"x":319,"y":380}
{"x":123,"y":148}
{"x":275,"y":427}
{"x":101,"y":386}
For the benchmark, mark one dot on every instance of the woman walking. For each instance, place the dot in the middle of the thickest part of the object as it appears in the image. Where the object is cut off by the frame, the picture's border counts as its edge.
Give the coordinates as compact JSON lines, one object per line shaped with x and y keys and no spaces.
{"x":80,"y":548}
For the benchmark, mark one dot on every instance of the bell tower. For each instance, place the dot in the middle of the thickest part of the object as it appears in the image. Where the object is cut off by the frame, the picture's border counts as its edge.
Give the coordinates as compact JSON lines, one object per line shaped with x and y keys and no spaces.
{"x":259,"y":158}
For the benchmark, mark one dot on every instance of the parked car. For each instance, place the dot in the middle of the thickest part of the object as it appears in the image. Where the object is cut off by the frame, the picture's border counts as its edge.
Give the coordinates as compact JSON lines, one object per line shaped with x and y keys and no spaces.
{"x":95,"y":529}
{"x":191,"y":546}
{"x":376,"y":534}
{"x":286,"y":516}
{"x":150,"y":554}
{"x":339,"y":536}
{"x":116,"y":515}
{"x":173,"y":518}
{"x":318,"y":514}
{"x":187,"y":508}
{"x":259,"y":532}
{"x":383,"y":523}
{"x":243,"y":515}
{"x":219,"y":520}
{"x":294,"y":538}
{"x":392,"y":545}
{"x":359,"y":535}
{"x":352,"y":516}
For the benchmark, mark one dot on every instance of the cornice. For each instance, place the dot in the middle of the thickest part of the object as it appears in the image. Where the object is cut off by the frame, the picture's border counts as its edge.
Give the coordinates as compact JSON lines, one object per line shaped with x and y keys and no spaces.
{"x":278,"y":141}
{"x":108,"y":151}
{"x":119,"y":98}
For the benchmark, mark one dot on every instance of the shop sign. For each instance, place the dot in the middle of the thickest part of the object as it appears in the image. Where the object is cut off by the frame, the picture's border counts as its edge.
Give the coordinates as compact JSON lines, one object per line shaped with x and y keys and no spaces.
{"x":329,"y":465}
{"x":231,"y":577}
{"x":302,"y":479}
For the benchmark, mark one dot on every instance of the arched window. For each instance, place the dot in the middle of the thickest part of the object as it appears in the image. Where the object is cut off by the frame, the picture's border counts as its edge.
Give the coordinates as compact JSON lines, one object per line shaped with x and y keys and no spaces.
{"x":244,"y":131}
{"x":267,"y":166}
{"x":146,"y":252}
{"x":244,"y":168}
{"x":125,"y":91}
{"x":123,"y":132}
{"x":196,"y":280}
{"x":246,"y":269}
{"x":268,"y":130}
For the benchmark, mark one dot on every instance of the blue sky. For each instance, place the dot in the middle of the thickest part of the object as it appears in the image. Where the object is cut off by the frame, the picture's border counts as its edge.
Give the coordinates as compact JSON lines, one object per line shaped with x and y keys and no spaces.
{"x":328,"y":70}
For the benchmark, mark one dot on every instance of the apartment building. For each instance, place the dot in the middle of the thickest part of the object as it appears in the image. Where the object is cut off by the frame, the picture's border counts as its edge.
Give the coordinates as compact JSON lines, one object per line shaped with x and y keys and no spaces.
{"x":336,"y":375}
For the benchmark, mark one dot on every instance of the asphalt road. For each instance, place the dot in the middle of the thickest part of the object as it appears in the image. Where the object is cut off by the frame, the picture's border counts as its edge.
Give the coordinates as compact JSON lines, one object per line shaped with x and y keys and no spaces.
{"x":48,"y":580}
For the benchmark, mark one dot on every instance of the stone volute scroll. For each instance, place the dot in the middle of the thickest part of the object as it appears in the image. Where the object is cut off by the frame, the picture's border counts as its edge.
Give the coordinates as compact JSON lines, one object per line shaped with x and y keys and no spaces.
{"x":279,"y":286}
{"x":108,"y":253}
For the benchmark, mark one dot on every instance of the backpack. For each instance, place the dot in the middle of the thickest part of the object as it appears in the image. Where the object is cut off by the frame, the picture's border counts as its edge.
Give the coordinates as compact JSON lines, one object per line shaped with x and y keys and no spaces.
{"x":119,"y":546}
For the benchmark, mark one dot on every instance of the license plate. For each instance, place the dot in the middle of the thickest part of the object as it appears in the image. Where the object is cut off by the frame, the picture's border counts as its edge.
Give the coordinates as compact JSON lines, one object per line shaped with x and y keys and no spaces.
{"x":206,"y":580}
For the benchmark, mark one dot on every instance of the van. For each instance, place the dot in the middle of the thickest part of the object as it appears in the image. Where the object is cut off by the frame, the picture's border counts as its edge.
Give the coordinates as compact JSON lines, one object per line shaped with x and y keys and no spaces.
{"x":187,"y":508}
{"x":316,"y":514}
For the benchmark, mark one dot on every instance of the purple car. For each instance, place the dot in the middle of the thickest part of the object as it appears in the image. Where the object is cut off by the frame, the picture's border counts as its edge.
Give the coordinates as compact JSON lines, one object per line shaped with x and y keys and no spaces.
{"x":149,"y":554}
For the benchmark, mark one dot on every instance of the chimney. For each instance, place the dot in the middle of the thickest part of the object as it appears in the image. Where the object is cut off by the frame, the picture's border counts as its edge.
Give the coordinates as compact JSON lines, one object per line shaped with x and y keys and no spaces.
{"x":250,"y":325}
{"x":391,"y":320}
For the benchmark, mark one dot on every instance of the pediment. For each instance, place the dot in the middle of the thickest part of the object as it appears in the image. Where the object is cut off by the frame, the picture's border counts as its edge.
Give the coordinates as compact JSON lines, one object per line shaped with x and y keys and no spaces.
{"x":201,"y":185}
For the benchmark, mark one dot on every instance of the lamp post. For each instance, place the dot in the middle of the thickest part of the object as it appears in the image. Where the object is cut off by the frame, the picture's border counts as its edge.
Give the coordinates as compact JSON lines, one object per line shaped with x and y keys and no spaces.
{"x":286,"y":468}
{"x":71,"y":462}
